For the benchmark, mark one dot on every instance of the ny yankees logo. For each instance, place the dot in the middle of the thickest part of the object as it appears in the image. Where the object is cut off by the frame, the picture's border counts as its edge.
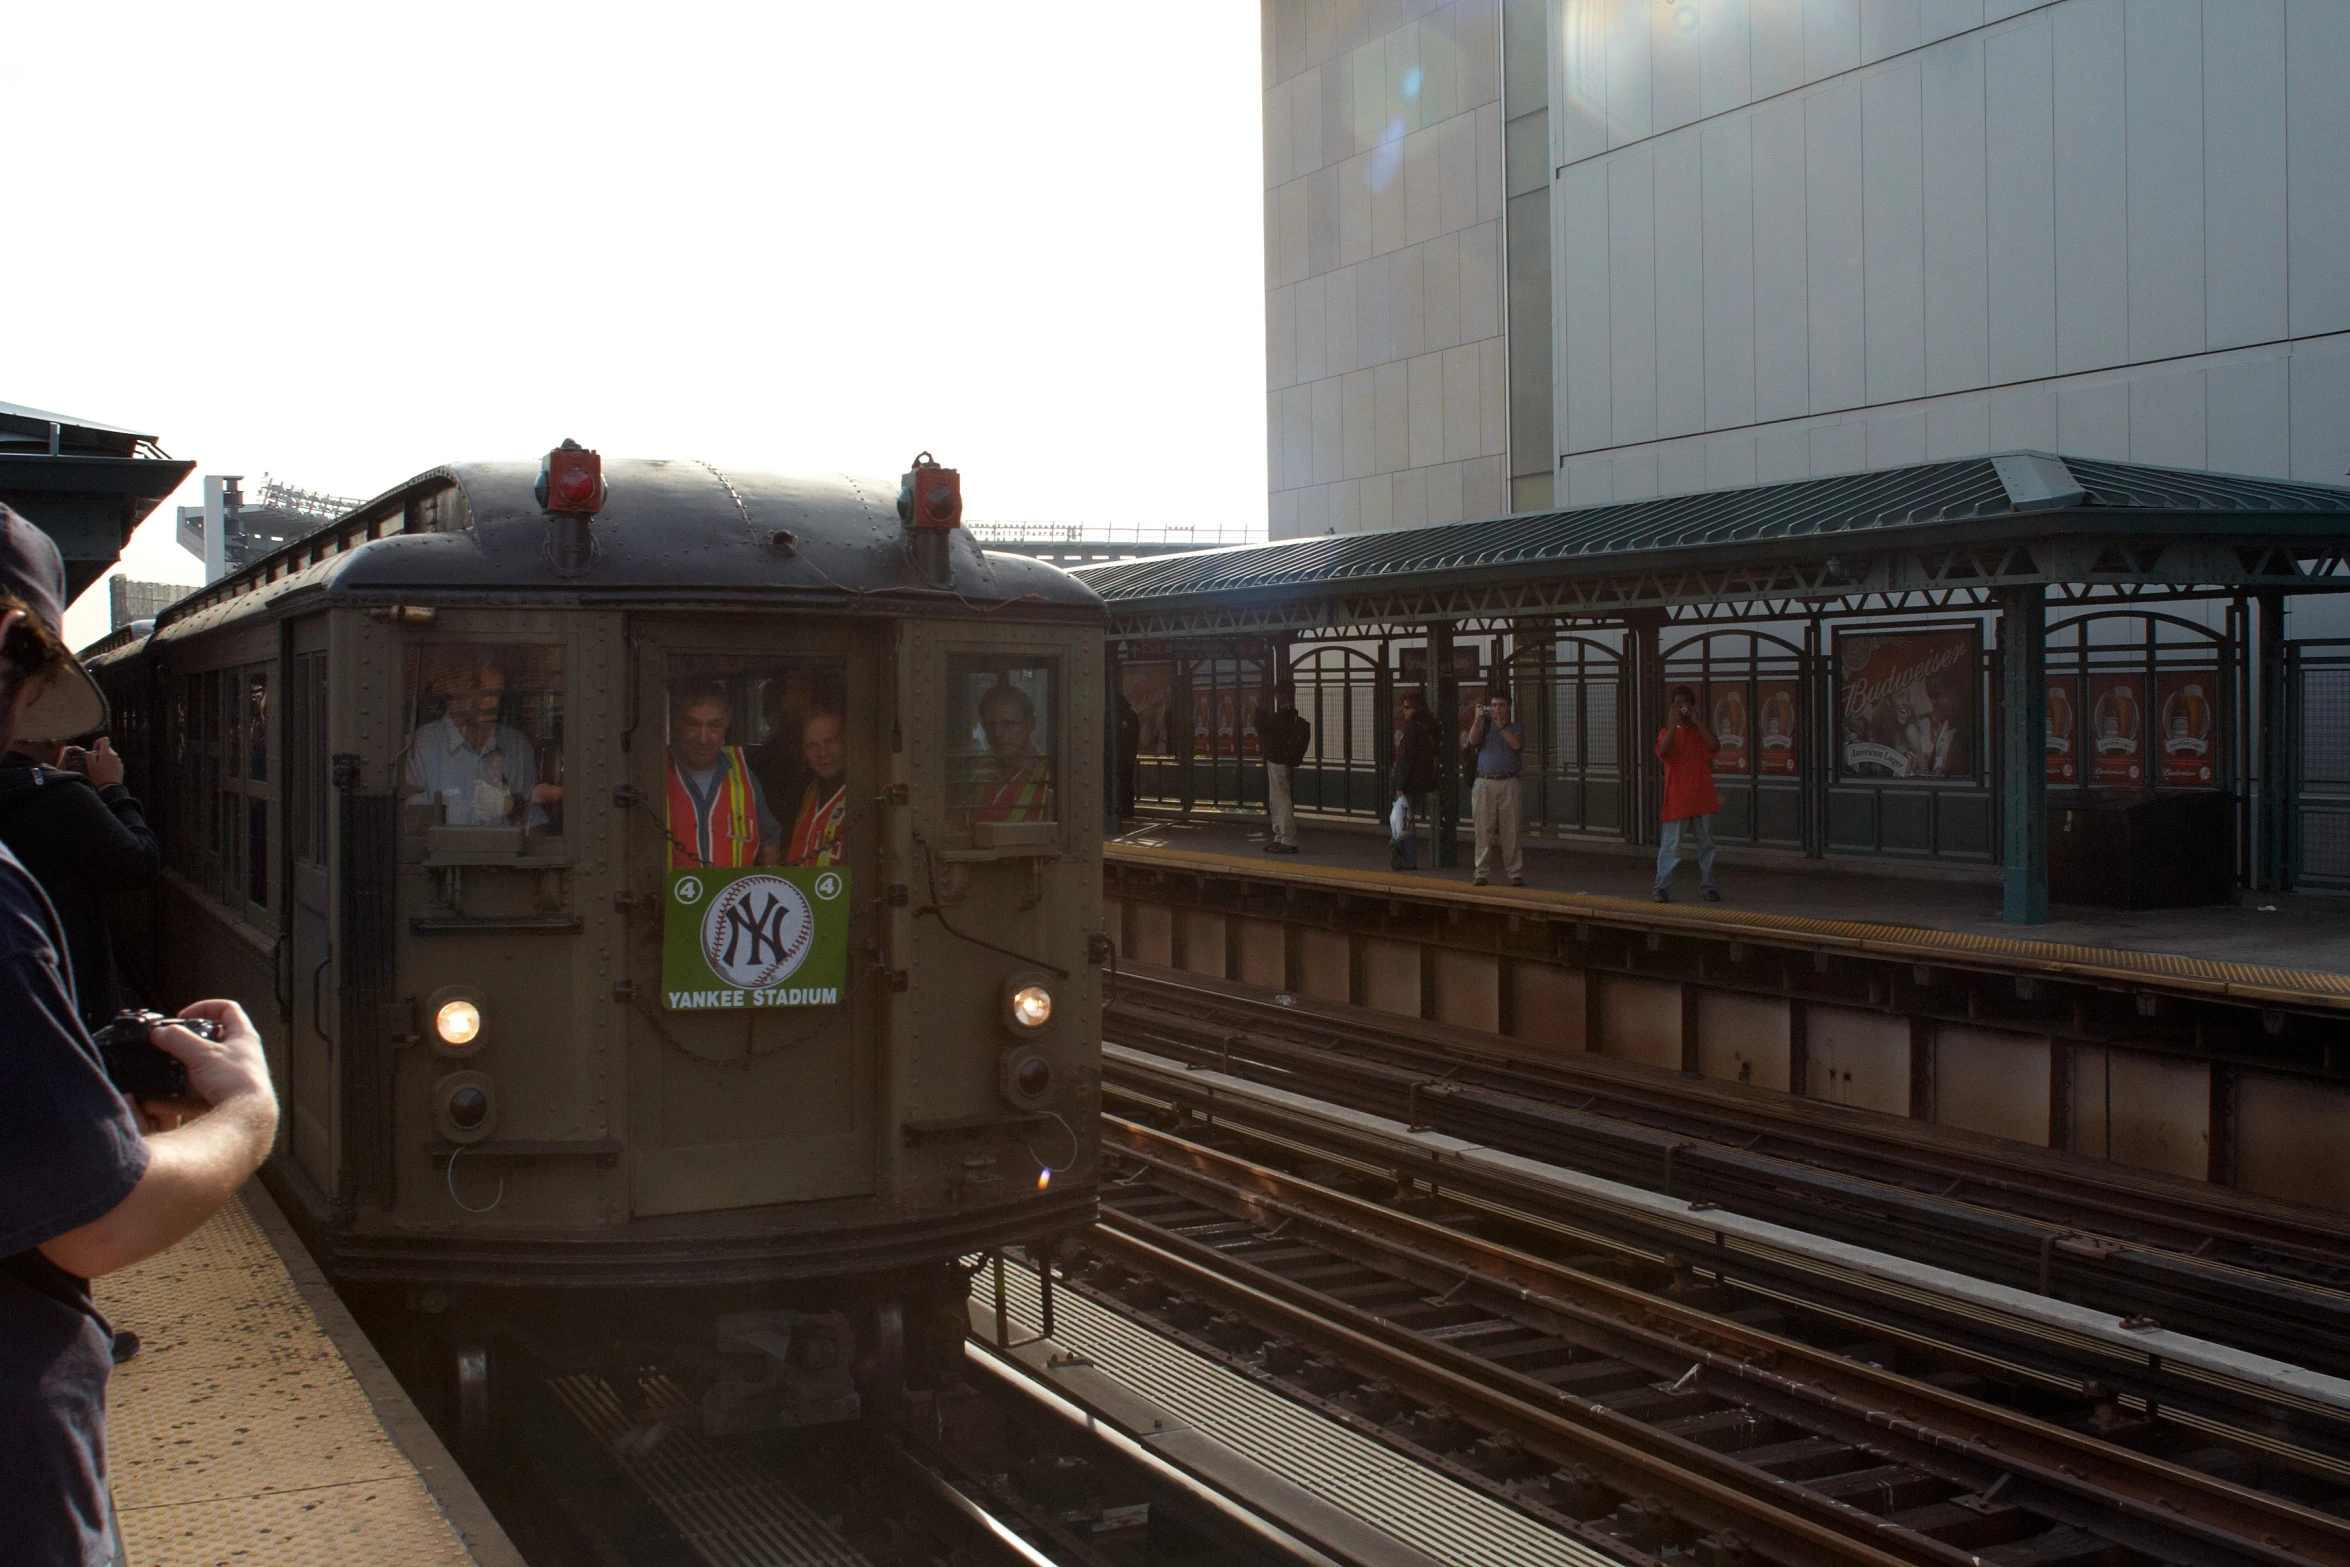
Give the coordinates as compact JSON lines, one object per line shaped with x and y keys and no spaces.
{"x":757,"y":931}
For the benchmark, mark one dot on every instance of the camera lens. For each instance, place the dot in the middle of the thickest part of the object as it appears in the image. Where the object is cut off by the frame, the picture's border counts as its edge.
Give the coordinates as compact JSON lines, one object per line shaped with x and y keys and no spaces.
{"x":468,"y":1107}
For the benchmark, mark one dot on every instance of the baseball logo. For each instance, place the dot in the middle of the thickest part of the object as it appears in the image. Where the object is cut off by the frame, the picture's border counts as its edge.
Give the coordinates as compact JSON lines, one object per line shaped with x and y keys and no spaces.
{"x":757,"y":932}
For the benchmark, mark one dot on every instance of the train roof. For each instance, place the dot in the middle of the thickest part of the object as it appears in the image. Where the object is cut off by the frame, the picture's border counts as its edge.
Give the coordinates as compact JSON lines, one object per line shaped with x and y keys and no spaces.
{"x":669,"y":532}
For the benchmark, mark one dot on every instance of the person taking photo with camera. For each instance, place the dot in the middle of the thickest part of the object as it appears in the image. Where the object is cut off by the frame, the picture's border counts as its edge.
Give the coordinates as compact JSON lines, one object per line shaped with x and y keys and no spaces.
{"x":82,"y":1191}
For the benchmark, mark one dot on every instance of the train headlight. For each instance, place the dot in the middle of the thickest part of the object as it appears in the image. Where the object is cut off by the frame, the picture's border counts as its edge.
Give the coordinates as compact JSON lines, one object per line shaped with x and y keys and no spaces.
{"x":1032,"y":1007}
{"x":458,"y":1017}
{"x":457,"y":1022}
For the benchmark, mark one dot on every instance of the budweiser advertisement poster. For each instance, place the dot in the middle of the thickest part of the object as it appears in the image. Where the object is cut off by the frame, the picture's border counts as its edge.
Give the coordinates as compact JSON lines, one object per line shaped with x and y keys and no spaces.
{"x":2064,"y":729}
{"x":2187,"y":729}
{"x":1725,"y":705}
{"x":2117,"y":730}
{"x":1906,"y":703}
{"x":1774,"y":722}
{"x":1150,"y":687}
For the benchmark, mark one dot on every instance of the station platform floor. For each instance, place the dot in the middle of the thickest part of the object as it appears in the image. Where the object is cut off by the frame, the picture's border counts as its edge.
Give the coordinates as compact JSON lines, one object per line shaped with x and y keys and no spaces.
{"x":257,"y":1424}
{"x":2280,"y":935}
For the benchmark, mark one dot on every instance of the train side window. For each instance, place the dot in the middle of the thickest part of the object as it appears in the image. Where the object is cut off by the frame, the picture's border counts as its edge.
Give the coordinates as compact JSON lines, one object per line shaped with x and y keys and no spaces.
{"x":485,"y":735}
{"x":756,"y":767}
{"x":306,"y":761}
{"x":1002,"y":739}
{"x":219,"y":749}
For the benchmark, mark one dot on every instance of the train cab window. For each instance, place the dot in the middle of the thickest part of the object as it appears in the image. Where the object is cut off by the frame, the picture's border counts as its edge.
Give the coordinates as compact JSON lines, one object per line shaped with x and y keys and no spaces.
{"x":1002,"y":741}
{"x":756,"y":769}
{"x":485,"y":736}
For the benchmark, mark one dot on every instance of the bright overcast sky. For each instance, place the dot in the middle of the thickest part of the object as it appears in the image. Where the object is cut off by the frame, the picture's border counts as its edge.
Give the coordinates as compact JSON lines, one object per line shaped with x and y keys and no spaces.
{"x":343,"y":244}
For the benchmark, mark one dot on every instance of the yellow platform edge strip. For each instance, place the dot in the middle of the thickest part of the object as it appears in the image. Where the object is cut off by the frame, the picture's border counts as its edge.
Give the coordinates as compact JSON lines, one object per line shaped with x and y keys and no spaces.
{"x":2250,"y":983}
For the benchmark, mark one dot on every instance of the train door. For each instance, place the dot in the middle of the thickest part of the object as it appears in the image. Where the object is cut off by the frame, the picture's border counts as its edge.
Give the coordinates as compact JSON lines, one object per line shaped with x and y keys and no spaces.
{"x":310,"y":1054}
{"x":753,"y":1032}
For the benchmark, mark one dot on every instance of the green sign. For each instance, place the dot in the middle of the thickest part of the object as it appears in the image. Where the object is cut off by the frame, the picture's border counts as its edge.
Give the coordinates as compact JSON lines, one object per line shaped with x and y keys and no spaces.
{"x":762,"y":936}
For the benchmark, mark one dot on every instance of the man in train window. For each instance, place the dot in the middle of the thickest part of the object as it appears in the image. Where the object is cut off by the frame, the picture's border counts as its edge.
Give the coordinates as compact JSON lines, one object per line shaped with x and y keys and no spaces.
{"x":480,"y":771}
{"x":718,"y":813}
{"x":1021,"y":786}
{"x":824,"y":805}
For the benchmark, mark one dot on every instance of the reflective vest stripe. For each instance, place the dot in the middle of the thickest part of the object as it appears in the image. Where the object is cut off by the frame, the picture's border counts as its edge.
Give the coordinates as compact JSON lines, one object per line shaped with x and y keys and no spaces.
{"x":695,"y":836}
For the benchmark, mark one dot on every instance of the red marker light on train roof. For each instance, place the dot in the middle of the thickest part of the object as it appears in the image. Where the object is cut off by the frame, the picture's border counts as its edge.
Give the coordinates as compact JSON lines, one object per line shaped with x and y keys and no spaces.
{"x":571,"y":480}
{"x":930,"y":496}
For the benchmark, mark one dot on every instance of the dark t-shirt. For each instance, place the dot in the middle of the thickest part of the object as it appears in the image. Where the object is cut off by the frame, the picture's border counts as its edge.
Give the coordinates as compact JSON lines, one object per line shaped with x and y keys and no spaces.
{"x":69,"y":1152}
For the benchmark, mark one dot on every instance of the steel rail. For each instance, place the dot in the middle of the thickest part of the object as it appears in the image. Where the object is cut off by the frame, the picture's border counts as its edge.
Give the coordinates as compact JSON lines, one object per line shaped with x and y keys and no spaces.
{"x":1786,"y":1524}
{"x":2156,"y":1500}
{"x":1696,"y":1140}
{"x":2267,"y":1407}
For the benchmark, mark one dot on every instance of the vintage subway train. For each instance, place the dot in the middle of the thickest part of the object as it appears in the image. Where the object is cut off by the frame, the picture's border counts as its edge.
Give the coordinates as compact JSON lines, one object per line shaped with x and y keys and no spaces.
{"x":675,"y":885}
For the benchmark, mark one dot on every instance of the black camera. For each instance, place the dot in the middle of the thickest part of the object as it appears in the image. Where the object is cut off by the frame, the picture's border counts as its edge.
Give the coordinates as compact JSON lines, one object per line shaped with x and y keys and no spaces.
{"x":136,"y":1064}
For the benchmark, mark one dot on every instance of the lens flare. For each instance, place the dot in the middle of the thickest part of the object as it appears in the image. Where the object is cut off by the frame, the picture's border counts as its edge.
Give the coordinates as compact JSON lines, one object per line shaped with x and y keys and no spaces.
{"x":1044,"y":1179}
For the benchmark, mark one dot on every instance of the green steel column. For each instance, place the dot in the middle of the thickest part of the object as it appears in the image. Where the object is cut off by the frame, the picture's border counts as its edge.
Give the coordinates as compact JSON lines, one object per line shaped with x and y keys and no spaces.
{"x":2023,"y":753}
{"x":1446,"y":689}
{"x":2273,"y":800}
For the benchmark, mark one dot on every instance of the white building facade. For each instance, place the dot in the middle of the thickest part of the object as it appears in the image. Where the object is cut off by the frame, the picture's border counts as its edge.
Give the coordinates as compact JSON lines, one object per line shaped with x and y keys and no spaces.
{"x":1526,"y":253}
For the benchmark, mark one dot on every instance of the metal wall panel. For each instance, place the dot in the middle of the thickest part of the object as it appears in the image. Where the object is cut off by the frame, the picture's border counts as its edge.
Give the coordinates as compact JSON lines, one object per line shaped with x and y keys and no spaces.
{"x":2243,"y":220}
{"x":2163,"y":92}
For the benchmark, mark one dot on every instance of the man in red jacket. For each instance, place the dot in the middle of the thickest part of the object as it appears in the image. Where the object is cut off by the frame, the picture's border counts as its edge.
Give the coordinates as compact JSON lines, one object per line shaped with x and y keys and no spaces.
{"x":1687,"y":747}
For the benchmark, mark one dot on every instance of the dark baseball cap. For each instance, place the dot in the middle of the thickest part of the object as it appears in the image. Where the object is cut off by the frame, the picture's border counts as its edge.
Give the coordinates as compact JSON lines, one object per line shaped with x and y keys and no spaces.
{"x":30,"y":567}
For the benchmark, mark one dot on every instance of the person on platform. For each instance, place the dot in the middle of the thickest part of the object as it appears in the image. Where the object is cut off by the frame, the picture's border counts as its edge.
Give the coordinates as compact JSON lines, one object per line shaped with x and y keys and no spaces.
{"x":482,"y":772}
{"x":1414,"y":777}
{"x":718,"y":815}
{"x":1019,"y":786}
{"x":1686,"y":747}
{"x":1494,"y":804}
{"x":1282,"y":735}
{"x":824,"y":804}
{"x":82,"y":1191}
{"x":67,"y":817}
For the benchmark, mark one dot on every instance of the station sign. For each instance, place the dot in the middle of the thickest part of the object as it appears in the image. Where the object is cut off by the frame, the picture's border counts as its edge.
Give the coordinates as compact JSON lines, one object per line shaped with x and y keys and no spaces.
{"x":758,"y":936}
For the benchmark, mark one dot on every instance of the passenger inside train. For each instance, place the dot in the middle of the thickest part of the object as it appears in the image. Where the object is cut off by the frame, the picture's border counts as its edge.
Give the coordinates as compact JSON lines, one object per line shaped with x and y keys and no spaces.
{"x":1006,"y":772}
{"x":487,"y":742}
{"x":824,"y":803}
{"x":718,"y":812}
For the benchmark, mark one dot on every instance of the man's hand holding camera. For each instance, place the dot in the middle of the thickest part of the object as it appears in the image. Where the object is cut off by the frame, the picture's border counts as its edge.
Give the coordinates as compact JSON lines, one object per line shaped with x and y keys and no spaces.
{"x":101,"y":764}
{"x":220,"y":1070}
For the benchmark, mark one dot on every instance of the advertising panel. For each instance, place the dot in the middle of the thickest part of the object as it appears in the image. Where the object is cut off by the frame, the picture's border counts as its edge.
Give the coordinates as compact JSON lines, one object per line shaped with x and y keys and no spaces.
{"x":2189,"y":720}
{"x":2064,"y":727}
{"x":2117,"y":730}
{"x":1150,"y":687}
{"x":1725,"y":705}
{"x":762,"y":936}
{"x":1775,"y":709}
{"x":1906,"y":703}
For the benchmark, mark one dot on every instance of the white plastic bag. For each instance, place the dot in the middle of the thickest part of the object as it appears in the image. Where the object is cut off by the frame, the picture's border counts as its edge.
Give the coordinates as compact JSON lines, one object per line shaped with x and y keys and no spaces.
{"x":1399,"y":821}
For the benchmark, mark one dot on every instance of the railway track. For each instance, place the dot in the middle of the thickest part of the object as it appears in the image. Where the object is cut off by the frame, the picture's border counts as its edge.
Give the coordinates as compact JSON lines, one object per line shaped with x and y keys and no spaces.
{"x":2267,"y":1277}
{"x":1651,"y":1427}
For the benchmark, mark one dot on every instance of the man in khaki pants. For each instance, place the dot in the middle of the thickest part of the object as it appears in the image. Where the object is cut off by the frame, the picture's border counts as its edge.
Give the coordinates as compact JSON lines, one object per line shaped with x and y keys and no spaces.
{"x":1493,"y":802}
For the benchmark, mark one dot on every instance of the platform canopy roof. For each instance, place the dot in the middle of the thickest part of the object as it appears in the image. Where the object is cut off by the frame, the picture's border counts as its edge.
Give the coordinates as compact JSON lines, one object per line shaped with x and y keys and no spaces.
{"x":85,"y":484}
{"x":1936,"y":536}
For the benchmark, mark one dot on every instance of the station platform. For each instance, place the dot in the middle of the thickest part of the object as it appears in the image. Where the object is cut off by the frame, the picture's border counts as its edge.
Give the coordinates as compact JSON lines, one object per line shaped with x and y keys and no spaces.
{"x":257,"y":1424}
{"x":2276,"y":948}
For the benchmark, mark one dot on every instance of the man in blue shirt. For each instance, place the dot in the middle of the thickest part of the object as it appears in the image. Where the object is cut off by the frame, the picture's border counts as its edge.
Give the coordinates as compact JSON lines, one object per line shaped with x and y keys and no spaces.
{"x":82,"y":1193}
{"x":1493,"y":801}
{"x":482,"y":773}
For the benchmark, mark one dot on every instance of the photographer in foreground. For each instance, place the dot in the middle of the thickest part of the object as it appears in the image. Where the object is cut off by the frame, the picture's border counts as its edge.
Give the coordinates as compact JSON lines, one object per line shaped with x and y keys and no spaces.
{"x":82,"y":1193}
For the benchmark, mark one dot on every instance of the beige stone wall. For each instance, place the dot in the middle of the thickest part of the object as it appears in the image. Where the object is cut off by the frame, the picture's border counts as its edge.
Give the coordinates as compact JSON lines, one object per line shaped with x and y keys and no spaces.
{"x":1386,"y":402}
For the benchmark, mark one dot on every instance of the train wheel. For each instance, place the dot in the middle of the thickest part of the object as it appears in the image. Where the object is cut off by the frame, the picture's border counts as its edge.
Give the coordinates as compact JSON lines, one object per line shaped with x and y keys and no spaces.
{"x":881,"y":1358}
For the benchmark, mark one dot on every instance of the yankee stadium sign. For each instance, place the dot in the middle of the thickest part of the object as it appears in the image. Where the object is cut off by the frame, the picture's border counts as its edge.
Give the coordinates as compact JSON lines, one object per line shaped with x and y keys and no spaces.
{"x":764,"y":936}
